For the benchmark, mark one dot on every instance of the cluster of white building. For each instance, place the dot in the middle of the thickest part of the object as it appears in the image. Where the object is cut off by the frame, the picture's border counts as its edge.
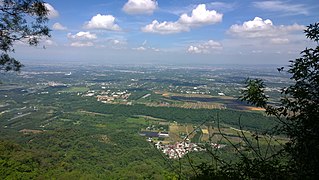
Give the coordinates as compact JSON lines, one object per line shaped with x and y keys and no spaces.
{"x":108,"y":96}
{"x":179,"y":149}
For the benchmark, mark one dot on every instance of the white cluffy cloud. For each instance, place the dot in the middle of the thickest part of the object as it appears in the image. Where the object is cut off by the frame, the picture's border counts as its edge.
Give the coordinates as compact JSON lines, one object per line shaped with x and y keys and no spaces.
{"x":200,"y":16}
{"x":82,"y":39}
{"x":164,"y":27}
{"x":59,"y":27}
{"x":282,"y":7}
{"x":52,"y":12}
{"x":205,"y":48}
{"x":140,"y":6}
{"x":106,"y":22}
{"x":82,"y":36}
{"x":258,"y":28}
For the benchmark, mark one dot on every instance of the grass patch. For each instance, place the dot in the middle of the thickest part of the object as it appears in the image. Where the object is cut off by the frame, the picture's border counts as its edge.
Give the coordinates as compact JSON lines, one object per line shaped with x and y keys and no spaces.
{"x":75,"y":90}
{"x":140,"y":120}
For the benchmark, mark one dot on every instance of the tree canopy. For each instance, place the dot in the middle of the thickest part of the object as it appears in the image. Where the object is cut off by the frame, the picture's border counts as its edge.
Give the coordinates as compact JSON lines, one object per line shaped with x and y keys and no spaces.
{"x":20,"y":21}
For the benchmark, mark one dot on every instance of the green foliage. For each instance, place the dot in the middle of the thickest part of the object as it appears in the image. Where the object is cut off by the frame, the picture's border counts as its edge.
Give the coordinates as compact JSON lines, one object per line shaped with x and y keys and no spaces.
{"x":246,"y":169}
{"x":16,"y":162}
{"x":81,"y":145}
{"x":7,"y":63}
{"x":254,"y":93}
{"x":301,"y":110}
{"x":20,"y":20}
{"x":312,"y":32}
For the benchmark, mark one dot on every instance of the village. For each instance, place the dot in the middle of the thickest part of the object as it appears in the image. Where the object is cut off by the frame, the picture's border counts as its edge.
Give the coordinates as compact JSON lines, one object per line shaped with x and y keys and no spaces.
{"x":176,"y":146}
{"x":109,"y":96}
{"x":180,"y":149}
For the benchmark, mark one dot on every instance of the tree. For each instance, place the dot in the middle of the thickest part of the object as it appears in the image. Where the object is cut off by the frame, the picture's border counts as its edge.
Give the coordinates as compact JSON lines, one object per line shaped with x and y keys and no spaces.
{"x":298,"y":111}
{"x":20,"y":20}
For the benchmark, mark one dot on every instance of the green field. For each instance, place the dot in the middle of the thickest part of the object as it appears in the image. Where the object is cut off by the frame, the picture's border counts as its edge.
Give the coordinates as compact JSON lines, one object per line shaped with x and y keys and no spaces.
{"x":75,"y":90}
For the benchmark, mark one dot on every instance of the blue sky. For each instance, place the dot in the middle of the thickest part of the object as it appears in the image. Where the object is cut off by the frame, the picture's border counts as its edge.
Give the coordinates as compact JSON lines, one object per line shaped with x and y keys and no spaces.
{"x":174,"y":32}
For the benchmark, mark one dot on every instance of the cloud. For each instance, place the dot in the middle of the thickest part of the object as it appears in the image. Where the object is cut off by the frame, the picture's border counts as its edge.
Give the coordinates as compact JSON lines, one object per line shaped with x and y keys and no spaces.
{"x":82,"y":36}
{"x":282,"y":7}
{"x":52,"y":12}
{"x":106,"y":22}
{"x":82,"y":39}
{"x":49,"y":42}
{"x":221,"y":6}
{"x":256,"y":51}
{"x":279,"y":40}
{"x":258,"y":28}
{"x":117,"y":42}
{"x":164,"y":27}
{"x":140,"y":6}
{"x":81,"y":44}
{"x":155,"y":49}
{"x":200,"y":16}
{"x":141,"y":48}
{"x":44,"y":42}
{"x":263,"y":34}
{"x":205,"y":47}
{"x":59,"y":27}
{"x":194,"y":49}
